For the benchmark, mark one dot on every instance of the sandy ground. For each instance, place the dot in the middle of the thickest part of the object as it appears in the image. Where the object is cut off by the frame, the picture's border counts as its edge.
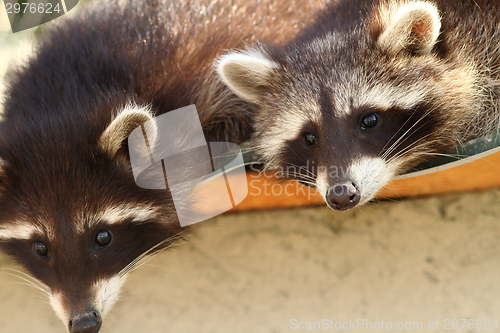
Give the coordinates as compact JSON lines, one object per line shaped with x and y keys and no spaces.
{"x":414,"y":261}
{"x":408,"y":263}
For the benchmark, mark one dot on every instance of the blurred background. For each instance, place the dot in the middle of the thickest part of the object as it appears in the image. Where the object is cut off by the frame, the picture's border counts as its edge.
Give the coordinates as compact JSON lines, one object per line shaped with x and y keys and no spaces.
{"x":414,"y":263}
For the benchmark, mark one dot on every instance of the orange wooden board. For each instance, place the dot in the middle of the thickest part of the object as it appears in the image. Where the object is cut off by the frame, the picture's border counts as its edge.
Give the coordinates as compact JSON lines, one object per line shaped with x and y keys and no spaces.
{"x":476,"y":173}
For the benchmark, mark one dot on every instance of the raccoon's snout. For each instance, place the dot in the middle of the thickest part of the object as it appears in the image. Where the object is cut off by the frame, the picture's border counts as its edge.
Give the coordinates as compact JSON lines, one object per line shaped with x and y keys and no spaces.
{"x":89,"y":322}
{"x":342,"y":196}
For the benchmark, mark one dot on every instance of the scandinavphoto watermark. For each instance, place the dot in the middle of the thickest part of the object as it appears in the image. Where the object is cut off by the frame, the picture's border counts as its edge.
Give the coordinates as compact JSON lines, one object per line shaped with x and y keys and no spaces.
{"x":381,"y":325}
{"x":265,"y":182}
{"x":206,"y":179}
{"x":170,"y":153}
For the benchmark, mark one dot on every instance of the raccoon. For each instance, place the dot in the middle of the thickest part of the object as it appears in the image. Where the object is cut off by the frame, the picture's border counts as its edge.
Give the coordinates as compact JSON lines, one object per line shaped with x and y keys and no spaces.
{"x":371,"y":89}
{"x":70,"y":211}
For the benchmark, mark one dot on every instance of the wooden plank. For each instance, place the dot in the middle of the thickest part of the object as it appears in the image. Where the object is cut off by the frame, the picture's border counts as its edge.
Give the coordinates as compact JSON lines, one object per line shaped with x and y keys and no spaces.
{"x":476,"y":173}
{"x":481,"y":173}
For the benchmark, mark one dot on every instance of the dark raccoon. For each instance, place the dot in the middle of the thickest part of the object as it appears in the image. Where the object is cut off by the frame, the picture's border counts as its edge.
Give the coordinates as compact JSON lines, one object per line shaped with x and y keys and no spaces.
{"x":70,"y":211}
{"x":371,"y":89}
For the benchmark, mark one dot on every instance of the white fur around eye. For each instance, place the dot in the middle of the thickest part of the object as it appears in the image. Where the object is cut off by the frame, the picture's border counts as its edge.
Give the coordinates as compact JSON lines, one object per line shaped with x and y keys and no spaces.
{"x":19,"y":230}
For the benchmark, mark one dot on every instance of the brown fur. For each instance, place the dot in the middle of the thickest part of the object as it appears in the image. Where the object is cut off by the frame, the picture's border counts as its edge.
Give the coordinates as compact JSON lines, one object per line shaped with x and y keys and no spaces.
{"x":60,"y":173}
{"x":429,"y":70}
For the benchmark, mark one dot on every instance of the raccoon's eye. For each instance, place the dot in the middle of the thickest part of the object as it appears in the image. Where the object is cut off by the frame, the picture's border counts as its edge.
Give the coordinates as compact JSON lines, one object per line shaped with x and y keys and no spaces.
{"x":369,"y":121}
{"x":103,"y":238}
{"x":40,"y":249}
{"x":310,"y":139}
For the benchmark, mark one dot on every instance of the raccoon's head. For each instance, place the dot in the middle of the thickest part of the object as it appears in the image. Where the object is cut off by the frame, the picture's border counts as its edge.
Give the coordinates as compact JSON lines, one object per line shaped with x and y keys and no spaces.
{"x":345,"y":110}
{"x":72,"y":215}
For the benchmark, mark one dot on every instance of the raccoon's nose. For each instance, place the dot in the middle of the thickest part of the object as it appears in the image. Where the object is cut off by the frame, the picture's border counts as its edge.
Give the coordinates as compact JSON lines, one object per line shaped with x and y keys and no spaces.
{"x":342,"y":196}
{"x":85,"y":323}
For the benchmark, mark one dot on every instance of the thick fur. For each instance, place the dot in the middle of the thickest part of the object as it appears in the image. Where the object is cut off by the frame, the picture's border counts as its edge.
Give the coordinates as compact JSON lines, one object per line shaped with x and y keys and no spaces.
{"x":64,"y":172}
{"x":428,"y":69}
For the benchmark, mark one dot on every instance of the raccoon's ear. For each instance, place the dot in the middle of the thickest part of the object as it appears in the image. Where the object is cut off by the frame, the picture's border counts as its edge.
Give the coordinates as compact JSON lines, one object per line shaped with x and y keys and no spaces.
{"x":413,"y":27}
{"x":128,"y":119}
{"x":246,"y":73}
